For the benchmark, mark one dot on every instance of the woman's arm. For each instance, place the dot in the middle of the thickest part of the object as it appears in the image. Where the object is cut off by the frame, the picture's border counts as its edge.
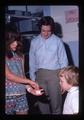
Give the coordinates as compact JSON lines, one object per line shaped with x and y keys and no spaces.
{"x":14,"y":78}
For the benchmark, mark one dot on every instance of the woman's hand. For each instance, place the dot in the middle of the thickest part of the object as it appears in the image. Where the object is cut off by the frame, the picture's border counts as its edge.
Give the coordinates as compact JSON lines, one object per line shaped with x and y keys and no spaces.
{"x":34,"y":91}
{"x":34,"y":85}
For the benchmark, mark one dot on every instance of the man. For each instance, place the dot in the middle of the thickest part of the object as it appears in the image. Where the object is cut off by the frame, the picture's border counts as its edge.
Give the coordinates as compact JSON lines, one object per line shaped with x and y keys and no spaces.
{"x":47,"y":55}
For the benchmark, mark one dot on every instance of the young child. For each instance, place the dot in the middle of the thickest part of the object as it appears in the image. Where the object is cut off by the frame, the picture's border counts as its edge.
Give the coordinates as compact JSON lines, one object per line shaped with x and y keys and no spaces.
{"x":69,"y":80}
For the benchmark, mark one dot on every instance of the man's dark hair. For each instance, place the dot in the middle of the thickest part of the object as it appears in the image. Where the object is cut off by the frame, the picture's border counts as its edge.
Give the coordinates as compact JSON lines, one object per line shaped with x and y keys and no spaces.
{"x":47,"y":20}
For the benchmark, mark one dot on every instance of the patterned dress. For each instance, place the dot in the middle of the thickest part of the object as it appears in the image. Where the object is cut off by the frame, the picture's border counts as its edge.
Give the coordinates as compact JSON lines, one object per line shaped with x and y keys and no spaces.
{"x":15,"y":90}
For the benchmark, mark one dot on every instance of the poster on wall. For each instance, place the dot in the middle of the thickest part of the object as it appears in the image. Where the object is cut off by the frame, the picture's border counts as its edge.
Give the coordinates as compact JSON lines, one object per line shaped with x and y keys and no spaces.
{"x":71,"y":16}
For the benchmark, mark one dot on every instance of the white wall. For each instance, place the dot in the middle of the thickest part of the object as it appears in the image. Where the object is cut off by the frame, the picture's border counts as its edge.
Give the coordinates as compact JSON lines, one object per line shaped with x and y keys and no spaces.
{"x":70,"y":30}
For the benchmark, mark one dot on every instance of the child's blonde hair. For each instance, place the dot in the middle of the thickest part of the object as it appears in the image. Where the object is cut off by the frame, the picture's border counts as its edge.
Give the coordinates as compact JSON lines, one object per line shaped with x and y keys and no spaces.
{"x":71,"y":74}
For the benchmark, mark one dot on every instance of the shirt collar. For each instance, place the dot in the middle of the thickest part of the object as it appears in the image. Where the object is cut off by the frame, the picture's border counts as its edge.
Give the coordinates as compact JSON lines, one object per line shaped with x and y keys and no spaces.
{"x":74,"y":88}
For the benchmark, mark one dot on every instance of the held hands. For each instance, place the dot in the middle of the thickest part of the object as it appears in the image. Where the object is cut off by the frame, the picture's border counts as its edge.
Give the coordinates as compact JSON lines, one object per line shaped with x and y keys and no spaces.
{"x":33,"y":91}
{"x":34,"y":85}
{"x":34,"y":88}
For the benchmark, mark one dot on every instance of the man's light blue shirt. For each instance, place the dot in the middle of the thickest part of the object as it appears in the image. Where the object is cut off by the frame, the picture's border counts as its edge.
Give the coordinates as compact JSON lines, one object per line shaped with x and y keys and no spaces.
{"x":47,"y":54}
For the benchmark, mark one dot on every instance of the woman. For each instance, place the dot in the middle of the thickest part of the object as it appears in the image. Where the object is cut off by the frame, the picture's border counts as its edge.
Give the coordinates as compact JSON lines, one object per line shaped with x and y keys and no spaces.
{"x":16,"y":82}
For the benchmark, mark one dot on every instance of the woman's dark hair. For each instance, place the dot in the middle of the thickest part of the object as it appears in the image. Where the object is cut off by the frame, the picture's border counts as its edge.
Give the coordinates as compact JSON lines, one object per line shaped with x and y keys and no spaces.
{"x":10,"y":36}
{"x":47,"y":20}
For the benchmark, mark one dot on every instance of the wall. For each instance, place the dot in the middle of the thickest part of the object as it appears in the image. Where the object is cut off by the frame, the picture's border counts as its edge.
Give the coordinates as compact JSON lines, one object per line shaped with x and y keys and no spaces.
{"x":70,"y":31}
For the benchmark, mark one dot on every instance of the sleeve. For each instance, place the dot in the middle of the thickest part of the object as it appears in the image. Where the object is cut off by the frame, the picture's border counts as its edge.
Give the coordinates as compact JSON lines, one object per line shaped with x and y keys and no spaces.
{"x":32,"y":65}
{"x":62,"y":56}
